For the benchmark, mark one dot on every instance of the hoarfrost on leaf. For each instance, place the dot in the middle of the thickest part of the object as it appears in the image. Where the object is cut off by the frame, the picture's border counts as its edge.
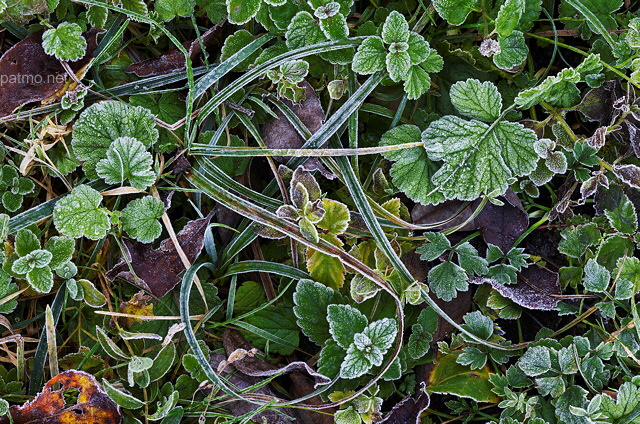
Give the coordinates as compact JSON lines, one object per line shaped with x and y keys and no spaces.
{"x":79,"y":214}
{"x":127,"y":159}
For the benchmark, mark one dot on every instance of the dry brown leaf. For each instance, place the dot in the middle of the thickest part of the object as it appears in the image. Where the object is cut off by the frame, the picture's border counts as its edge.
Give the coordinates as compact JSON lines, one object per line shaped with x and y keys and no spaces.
{"x":93,"y":405}
{"x":28,"y":74}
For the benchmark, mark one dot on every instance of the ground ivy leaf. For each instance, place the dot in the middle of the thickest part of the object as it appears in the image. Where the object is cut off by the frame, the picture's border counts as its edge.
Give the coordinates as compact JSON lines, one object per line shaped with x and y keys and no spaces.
{"x":433,"y":62}
{"x":102,"y":123}
{"x":530,"y":13}
{"x":412,"y":171}
{"x":61,"y":249}
{"x":509,"y":16}
{"x":79,"y":214}
{"x":446,"y":279}
{"x":454,"y":11}
{"x":436,"y":246}
{"x":330,"y":359}
{"x":345,"y":322}
{"x":535,"y":361}
{"x":140,"y":219}
{"x":304,"y":30}
{"x":127,"y":159}
{"x":419,"y":49}
{"x":65,"y":42}
{"x":370,"y":57}
{"x":335,"y":27}
{"x":513,"y":52}
{"x":382,"y":333}
{"x":241,"y":11}
{"x":40,"y":279}
{"x":309,"y":298}
{"x":398,"y":65}
{"x":395,"y":28}
{"x":475,"y":99}
{"x":623,"y":218}
{"x":596,"y":277}
{"x":26,"y":242}
{"x":422,"y":333}
{"x":478,"y":159}
{"x":417,"y":82}
{"x":324,"y":268}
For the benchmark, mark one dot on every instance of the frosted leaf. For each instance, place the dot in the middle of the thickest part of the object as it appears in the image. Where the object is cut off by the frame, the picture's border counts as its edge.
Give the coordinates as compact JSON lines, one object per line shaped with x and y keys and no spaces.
{"x":127,"y":160}
{"x":79,"y":214}
{"x":395,"y":28}
{"x":475,"y":99}
{"x":140,"y":219}
{"x":65,"y":42}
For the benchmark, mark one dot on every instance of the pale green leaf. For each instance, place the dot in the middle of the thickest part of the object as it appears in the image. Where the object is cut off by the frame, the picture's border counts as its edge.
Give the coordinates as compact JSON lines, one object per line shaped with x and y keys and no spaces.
{"x":102,"y":123}
{"x":417,"y":82}
{"x":92,"y":296}
{"x":40,"y":279}
{"x":26,"y":242}
{"x":61,"y":248}
{"x":513,"y":52}
{"x":344,"y":416}
{"x":478,"y":159}
{"x":355,"y":364}
{"x":97,"y":16}
{"x":123,"y":399}
{"x":479,"y":324}
{"x":336,"y":218}
{"x":437,"y":244}
{"x":509,"y":16}
{"x":330,"y":359}
{"x":446,"y":279}
{"x":79,"y":214}
{"x":127,"y":160}
{"x":422,"y":333}
{"x":596,"y":277}
{"x":140,"y":219}
{"x":382,"y":333}
{"x":344,"y":323}
{"x":419,"y":49}
{"x":370,"y":57}
{"x":412,"y":171}
{"x":398,"y":65}
{"x":241,"y":11}
{"x":324,"y":268}
{"x":433,"y":62}
{"x":623,"y":218}
{"x":234,"y":43}
{"x":535,"y":361}
{"x":395,"y":28}
{"x":475,"y":99}
{"x":65,"y":42}
{"x":454,"y":11}
{"x":473,"y":357}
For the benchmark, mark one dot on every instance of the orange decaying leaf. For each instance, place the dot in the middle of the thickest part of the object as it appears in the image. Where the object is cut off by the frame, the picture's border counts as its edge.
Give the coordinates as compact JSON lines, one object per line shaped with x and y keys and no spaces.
{"x":93,"y":405}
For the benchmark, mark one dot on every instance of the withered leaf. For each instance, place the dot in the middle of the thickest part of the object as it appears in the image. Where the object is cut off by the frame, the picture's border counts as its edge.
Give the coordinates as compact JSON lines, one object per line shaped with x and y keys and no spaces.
{"x":256,"y":367}
{"x":408,"y":410}
{"x":156,"y":270}
{"x":598,"y":103}
{"x":537,"y":288}
{"x":628,"y":174}
{"x":139,"y":304}
{"x":173,"y":60}
{"x":280,"y":134}
{"x":30,"y":75}
{"x":500,"y":225}
{"x":93,"y":404}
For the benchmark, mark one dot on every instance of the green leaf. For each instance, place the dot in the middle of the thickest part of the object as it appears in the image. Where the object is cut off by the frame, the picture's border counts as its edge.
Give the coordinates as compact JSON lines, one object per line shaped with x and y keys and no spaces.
{"x":324,"y":268}
{"x":79,"y":214}
{"x":596,"y":277}
{"x":475,"y":99}
{"x":344,"y":416}
{"x":417,"y":82}
{"x":241,"y":11}
{"x":623,"y":218}
{"x":102,"y":123}
{"x":355,"y":363}
{"x":395,"y":28}
{"x":437,"y":244}
{"x":599,"y":15}
{"x":127,"y":159}
{"x":169,"y":9}
{"x":40,"y":279}
{"x":381,"y":333}
{"x":450,"y":377}
{"x":513,"y":52}
{"x":623,"y":408}
{"x":344,"y":323}
{"x":509,"y":16}
{"x":26,"y":242}
{"x":575,"y":241}
{"x":140,"y":219}
{"x":370,"y":57}
{"x":398,"y":64}
{"x":446,"y":279}
{"x":163,"y":362}
{"x":39,"y":258}
{"x":630,"y":270}
{"x":573,"y":396}
{"x":433,"y":63}
{"x":454,"y":11}
{"x":123,"y":399}
{"x":412,"y":171}
{"x":478,"y":324}
{"x":7,"y":288}
{"x":535,"y":361}
{"x":422,"y":333}
{"x":234,"y":43}
{"x":478,"y":159}
{"x":419,"y":49}
{"x":109,"y":346}
{"x":277,"y":324}
{"x":97,"y":16}
{"x":65,"y":42}
{"x":92,"y":296}
{"x":61,"y":249}
{"x":330,"y":359}
{"x":230,"y":165}
{"x":169,"y":108}
{"x":612,"y":249}
{"x":309,"y":298}
{"x":473,"y":357}
{"x":332,"y":23}
{"x":304,"y":31}
{"x":165,"y":408}
{"x":469,"y":259}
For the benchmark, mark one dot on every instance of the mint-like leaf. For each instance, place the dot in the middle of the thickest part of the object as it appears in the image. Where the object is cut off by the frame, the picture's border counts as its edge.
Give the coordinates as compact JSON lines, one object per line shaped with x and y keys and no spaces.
{"x":535,"y":361}
{"x":140,"y":219}
{"x":303,"y":31}
{"x":241,"y":11}
{"x":65,"y":42}
{"x":79,"y":214}
{"x":311,"y":300}
{"x":446,"y":279}
{"x":596,"y":277}
{"x":370,"y":57}
{"x":513,"y":52}
{"x":412,"y":171}
{"x":169,"y":9}
{"x":475,"y":99}
{"x":395,"y":28}
{"x":127,"y":160}
{"x":344,"y":323}
{"x":623,"y":218}
{"x":454,"y":11}
{"x":509,"y":16}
